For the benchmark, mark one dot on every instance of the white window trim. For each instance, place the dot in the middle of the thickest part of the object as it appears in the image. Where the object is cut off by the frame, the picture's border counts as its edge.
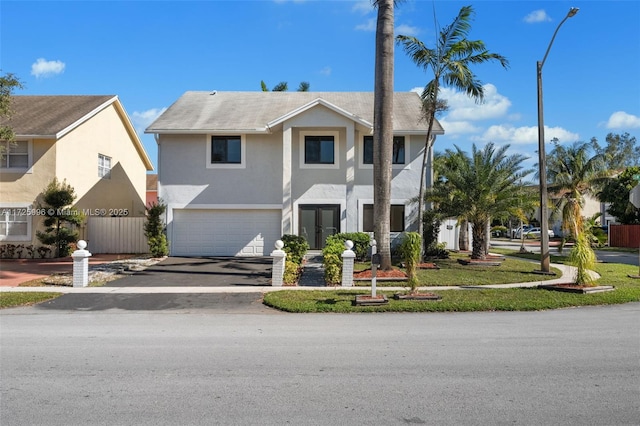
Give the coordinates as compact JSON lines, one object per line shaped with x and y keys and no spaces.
{"x":394,"y":201}
{"x":21,"y":238}
{"x":405,"y":165}
{"x":29,"y":168}
{"x":336,"y":149}
{"x":108,"y":175}
{"x":243,"y":153}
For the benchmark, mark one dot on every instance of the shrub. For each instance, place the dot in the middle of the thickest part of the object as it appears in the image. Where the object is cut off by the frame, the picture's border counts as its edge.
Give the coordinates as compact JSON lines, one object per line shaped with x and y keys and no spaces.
{"x":410,"y":252}
{"x":154,"y":230}
{"x":361,"y":241}
{"x":61,"y":217}
{"x":332,"y":259}
{"x":600,"y":237}
{"x":296,"y":247}
{"x":291,"y":272}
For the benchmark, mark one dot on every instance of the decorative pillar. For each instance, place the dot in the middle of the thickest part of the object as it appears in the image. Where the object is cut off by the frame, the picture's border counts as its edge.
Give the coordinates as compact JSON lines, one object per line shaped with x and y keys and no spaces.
{"x":81,"y":265}
{"x":279,"y":260}
{"x":348,"y":258}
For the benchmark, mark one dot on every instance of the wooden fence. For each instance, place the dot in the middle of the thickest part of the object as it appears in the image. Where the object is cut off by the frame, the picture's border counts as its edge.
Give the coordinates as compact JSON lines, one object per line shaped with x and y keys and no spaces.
{"x":116,"y":235}
{"x":624,"y":236}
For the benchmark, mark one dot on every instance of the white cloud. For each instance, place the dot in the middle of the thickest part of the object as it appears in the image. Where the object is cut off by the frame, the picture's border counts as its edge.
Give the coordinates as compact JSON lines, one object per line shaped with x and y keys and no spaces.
{"x":407,"y":30}
{"x":370,"y":25}
{"x":141,"y":120}
{"x":44,"y":68}
{"x":622,"y":120}
{"x":326,"y":71}
{"x":363,"y":7}
{"x":524,"y":135}
{"x":537,"y":16}
{"x":462,"y":107}
{"x":454,"y":128}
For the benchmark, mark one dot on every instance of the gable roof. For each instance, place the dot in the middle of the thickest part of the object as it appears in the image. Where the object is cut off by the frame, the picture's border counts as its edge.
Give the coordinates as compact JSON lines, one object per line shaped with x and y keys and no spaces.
{"x":259,"y":112}
{"x":53,"y":116}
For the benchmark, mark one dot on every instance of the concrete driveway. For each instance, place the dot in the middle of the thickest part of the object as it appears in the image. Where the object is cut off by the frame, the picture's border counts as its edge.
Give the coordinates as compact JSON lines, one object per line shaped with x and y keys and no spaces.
{"x":202,"y":272}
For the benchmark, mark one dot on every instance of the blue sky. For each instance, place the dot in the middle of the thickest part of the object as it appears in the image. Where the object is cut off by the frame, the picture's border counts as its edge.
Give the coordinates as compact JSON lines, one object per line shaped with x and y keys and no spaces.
{"x":151,"y":52}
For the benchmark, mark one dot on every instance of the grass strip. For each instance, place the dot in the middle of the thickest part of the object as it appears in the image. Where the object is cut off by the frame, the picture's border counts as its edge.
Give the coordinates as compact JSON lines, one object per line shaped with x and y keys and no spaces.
{"x":13,"y":299}
{"x":517,"y":299}
{"x":452,"y":273}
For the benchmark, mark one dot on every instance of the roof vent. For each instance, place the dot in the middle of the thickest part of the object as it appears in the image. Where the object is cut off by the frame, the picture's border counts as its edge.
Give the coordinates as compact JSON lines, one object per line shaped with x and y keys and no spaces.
{"x":214,"y":92}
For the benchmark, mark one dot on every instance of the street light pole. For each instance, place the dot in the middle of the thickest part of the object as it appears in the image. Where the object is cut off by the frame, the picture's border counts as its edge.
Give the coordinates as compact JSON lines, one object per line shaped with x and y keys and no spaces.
{"x":542,"y":159}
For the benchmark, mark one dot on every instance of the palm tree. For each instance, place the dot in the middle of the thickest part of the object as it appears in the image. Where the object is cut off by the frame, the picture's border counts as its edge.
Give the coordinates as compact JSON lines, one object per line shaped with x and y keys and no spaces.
{"x":449,"y":61}
{"x":383,"y":129}
{"x":283,"y":86}
{"x":487,"y":184}
{"x":572,"y":173}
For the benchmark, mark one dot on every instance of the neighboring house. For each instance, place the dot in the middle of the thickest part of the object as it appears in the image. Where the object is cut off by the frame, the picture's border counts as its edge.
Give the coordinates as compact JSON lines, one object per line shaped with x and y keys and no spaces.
{"x":591,"y":207}
{"x":237,"y":170}
{"x":152,"y":189}
{"x":87,"y":140}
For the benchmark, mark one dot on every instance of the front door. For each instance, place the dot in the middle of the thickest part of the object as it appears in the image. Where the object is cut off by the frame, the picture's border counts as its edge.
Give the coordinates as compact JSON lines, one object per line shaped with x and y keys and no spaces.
{"x":317,"y":222}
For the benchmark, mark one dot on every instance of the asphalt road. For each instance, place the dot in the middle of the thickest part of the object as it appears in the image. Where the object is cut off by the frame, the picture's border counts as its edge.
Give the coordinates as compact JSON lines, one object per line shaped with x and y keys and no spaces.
{"x":198,"y":366}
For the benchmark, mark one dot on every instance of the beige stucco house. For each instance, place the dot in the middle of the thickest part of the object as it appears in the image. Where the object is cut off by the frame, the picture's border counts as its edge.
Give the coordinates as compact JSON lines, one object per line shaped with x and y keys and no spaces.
{"x":88,"y":141}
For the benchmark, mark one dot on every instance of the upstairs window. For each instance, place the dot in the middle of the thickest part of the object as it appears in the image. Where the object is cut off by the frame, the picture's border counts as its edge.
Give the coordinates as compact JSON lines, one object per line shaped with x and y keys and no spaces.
{"x":226,"y":150}
{"x":104,"y":166}
{"x":319,"y":150}
{"x":397,"y":218}
{"x":398,"y":150}
{"x":15,"y":155}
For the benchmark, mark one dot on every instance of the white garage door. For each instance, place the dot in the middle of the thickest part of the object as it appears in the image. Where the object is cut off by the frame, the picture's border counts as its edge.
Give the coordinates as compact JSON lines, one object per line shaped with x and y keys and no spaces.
{"x":224,"y":232}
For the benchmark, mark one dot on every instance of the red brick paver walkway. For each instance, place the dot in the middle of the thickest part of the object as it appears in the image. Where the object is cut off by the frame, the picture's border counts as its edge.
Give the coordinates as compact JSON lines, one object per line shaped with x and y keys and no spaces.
{"x":16,"y":271}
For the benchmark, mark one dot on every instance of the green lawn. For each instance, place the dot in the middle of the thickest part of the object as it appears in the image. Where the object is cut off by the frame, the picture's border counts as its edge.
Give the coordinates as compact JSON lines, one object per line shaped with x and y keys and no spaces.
{"x":452,"y":273}
{"x":9,"y":300}
{"x":518,"y":299}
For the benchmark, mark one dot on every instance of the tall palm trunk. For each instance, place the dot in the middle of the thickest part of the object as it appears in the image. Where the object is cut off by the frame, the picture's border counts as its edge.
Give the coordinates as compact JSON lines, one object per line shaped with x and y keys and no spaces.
{"x":463,"y":238}
{"x":478,"y":230}
{"x":383,"y":130}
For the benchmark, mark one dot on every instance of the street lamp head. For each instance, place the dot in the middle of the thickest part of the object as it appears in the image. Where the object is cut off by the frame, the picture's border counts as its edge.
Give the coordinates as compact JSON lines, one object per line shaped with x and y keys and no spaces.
{"x":572,"y":12}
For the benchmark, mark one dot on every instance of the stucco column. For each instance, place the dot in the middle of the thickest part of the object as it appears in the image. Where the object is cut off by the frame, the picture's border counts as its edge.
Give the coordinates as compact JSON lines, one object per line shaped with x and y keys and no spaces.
{"x":348,"y":259}
{"x":352,"y":202}
{"x":287,"y":201}
{"x":279,"y":263}
{"x":81,"y":265}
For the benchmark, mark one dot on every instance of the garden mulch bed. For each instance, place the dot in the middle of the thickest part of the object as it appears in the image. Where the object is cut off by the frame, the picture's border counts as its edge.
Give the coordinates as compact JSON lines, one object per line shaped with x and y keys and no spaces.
{"x":428,"y":265}
{"x":574,"y":288}
{"x":367,"y":300}
{"x":391,"y":275}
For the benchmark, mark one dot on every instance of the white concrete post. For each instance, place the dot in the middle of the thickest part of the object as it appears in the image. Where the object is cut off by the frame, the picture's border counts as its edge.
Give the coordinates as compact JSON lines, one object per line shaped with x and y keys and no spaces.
{"x":374,"y":266}
{"x":279,"y":260}
{"x":348,"y":258}
{"x":81,"y":265}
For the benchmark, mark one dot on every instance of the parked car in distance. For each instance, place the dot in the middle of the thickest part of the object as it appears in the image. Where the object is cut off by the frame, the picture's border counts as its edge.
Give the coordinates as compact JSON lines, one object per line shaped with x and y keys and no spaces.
{"x":535,"y":233}
{"x":516,"y":233}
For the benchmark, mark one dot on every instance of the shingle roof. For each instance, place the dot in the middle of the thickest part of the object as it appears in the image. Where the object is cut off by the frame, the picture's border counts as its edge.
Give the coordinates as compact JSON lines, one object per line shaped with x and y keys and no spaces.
{"x":49,"y":115}
{"x":252,"y":111}
{"x":52,"y":116}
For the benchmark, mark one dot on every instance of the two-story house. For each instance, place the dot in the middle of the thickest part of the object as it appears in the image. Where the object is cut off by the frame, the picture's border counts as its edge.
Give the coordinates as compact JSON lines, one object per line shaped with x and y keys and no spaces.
{"x":237,"y":170}
{"x":88,"y":141}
